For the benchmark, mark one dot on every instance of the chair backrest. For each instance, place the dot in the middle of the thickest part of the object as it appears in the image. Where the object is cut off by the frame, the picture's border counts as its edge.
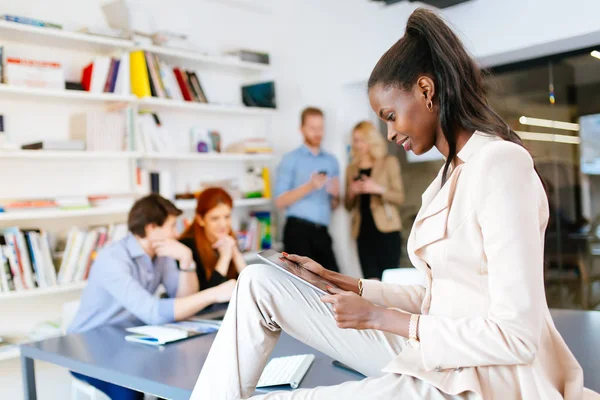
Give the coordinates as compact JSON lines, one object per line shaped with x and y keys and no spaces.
{"x":403,"y":276}
{"x":68,"y":313}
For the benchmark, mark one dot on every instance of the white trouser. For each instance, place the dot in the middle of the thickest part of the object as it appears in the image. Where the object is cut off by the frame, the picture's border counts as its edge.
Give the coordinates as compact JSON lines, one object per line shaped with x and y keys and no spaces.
{"x":267,"y":301}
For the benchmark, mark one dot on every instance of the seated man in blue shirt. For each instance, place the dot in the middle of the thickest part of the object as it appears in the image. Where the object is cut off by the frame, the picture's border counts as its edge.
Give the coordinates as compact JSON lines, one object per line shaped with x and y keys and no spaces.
{"x":307,"y":187}
{"x":126,"y":274}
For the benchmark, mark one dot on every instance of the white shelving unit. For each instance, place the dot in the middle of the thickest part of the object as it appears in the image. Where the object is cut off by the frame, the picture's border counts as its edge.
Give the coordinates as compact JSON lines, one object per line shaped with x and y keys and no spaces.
{"x":63,"y":95}
{"x":48,"y":301}
{"x":158,"y":104}
{"x":130,"y":155}
{"x":53,"y":213}
{"x":70,"y":155}
{"x":177,"y":56}
{"x":208,"y":156}
{"x":50,"y":37}
{"x":37,"y":292}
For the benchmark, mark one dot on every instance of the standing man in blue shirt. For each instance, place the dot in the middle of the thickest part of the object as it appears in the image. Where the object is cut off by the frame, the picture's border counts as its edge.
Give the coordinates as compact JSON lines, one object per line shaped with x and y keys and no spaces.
{"x":308,"y":188}
{"x":126,"y":274}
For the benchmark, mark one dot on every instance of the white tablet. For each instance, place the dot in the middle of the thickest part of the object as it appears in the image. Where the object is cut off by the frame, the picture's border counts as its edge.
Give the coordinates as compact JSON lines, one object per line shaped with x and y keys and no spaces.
{"x":296,"y":271}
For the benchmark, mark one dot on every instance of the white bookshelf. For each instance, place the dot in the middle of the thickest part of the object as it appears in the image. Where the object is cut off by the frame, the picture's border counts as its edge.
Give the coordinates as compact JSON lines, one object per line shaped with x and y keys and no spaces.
{"x":70,"y":155}
{"x":71,"y":287}
{"x":196,"y":59}
{"x":158,"y":104}
{"x":208,"y":156}
{"x":53,"y":213}
{"x":118,"y":169}
{"x":50,"y":37}
{"x":9,"y":91}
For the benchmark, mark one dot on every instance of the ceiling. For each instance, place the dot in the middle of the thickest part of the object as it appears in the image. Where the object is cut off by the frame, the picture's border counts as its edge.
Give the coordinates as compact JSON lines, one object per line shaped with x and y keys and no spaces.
{"x":435,"y":3}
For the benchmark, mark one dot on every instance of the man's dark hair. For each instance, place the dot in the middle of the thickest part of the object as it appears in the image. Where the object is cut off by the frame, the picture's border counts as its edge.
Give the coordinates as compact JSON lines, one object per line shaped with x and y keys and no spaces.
{"x":151,"y":209}
{"x":309,"y":112}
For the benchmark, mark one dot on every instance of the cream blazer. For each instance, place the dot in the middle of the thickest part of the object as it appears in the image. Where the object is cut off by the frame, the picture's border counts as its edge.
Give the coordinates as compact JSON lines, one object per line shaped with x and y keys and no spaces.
{"x":485,"y":325}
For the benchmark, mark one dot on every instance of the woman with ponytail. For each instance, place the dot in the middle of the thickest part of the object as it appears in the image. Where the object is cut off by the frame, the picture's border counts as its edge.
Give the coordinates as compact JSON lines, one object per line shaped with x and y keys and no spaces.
{"x":212,"y":241}
{"x":479,"y":327}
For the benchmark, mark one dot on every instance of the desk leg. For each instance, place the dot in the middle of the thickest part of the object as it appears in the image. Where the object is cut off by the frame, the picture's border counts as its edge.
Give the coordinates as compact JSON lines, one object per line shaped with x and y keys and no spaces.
{"x":28,"y":374}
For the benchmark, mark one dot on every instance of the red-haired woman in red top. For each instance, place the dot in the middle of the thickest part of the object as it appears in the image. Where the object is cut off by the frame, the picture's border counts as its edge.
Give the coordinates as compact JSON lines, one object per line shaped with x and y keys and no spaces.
{"x":212,"y":240}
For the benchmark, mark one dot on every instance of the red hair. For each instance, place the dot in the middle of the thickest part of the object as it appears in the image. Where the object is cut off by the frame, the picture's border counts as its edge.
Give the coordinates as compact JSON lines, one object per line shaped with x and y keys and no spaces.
{"x":207,"y":200}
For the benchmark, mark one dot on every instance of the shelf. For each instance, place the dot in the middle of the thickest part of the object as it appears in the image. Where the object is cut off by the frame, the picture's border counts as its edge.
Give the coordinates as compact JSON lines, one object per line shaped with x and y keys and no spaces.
{"x":71,"y":287}
{"x":50,"y":37}
{"x":188,"y":205}
{"x":10,"y":354}
{"x":54,"y":213}
{"x":72,"y":95}
{"x":68,"y":154}
{"x":208,"y":156}
{"x":158,"y":104}
{"x":178,"y":56}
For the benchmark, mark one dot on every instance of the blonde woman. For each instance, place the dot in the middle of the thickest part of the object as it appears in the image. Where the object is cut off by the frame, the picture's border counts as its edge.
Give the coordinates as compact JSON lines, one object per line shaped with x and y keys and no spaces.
{"x":374,"y":191}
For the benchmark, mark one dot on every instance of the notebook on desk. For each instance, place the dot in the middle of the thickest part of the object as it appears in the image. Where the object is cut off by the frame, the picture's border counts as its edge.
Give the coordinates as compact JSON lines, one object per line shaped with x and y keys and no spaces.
{"x":158,"y":335}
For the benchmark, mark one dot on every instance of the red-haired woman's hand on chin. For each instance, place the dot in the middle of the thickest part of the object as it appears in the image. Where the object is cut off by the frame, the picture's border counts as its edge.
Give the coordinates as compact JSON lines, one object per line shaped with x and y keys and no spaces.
{"x":225,"y":246}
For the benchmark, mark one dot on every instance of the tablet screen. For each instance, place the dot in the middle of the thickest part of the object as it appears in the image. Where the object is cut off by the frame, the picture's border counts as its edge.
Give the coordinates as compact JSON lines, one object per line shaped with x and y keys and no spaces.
{"x":296,"y":270}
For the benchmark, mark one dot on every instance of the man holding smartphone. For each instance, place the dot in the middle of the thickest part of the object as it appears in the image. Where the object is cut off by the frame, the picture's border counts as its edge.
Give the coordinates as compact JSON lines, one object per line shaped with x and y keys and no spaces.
{"x":307,"y":188}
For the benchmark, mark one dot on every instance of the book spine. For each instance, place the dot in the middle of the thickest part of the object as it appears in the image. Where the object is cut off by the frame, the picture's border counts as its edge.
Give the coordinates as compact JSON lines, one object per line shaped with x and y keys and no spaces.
{"x":140,"y":84}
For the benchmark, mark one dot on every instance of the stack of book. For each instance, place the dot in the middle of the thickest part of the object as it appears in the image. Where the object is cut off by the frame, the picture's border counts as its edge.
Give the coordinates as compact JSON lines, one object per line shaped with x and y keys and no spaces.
{"x":81,"y":249}
{"x":107,"y":75}
{"x":25,"y":260}
{"x":104,"y":130}
{"x":151,"y":77}
{"x":19,"y":67}
{"x":255,"y":234}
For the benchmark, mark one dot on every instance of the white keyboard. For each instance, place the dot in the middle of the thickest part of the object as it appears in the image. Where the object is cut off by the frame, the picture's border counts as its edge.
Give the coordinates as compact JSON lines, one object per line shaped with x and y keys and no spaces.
{"x":286,"y":371}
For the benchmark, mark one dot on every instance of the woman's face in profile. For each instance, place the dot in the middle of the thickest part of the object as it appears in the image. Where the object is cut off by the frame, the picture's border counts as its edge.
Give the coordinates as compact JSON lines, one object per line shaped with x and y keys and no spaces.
{"x":217,"y":222}
{"x":409,"y":123}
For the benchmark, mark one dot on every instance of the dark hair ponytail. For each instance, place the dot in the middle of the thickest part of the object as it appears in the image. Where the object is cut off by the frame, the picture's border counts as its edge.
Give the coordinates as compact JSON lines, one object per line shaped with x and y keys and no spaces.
{"x":429,"y":47}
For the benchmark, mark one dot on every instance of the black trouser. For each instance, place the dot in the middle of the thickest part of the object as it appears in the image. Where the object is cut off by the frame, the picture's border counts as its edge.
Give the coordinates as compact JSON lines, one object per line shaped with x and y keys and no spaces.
{"x":306,"y":238}
{"x":378,"y":252}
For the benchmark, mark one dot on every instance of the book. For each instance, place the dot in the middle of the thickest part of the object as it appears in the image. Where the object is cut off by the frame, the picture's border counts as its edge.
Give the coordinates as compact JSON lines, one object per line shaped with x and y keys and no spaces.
{"x":185,"y":90}
{"x":140,"y":84}
{"x":158,"y":335}
{"x":67,"y":145}
{"x":9,"y":253}
{"x":20,"y":248}
{"x":111,"y":78}
{"x":188,"y":83}
{"x":6,"y":281}
{"x":170,"y":81}
{"x":251,"y":56}
{"x":33,"y":73}
{"x":195,"y":82}
{"x":30,"y":21}
{"x":259,"y":95}
{"x":123,"y":81}
{"x":155,"y":85}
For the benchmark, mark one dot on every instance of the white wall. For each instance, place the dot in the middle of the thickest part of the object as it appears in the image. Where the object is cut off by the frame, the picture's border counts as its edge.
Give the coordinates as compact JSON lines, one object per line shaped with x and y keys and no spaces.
{"x":318,"y":47}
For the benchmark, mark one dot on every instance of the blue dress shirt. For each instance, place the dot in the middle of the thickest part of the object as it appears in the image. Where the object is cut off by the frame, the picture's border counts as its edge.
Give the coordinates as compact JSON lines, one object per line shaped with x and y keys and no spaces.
{"x":296,"y":169}
{"x":121,"y":287}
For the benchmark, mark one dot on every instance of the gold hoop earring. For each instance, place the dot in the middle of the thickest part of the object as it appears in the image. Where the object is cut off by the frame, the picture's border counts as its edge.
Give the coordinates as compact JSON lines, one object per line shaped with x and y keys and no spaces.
{"x":429,"y":105}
